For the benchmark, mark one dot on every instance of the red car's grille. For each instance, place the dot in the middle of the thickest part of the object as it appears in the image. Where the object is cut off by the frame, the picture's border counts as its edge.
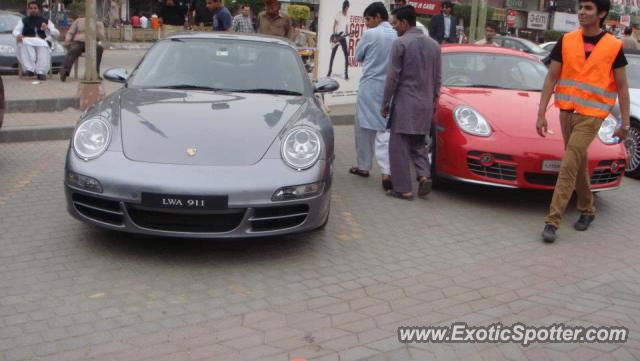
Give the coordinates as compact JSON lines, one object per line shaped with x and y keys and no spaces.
{"x":499,"y":169}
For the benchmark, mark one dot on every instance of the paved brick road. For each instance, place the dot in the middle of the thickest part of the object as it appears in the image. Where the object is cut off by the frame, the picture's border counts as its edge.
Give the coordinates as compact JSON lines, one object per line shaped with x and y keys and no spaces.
{"x":72,"y":292}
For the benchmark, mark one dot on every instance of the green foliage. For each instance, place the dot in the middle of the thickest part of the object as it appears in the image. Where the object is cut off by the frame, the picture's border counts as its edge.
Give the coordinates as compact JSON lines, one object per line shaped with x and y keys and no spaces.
{"x":299,"y":12}
{"x":77,"y":9}
{"x":464,"y":11}
{"x":552,"y":35}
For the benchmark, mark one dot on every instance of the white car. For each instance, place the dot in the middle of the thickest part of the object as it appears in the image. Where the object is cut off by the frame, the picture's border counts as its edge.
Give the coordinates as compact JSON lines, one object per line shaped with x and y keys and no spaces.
{"x":633,"y":143}
{"x":548,"y":46}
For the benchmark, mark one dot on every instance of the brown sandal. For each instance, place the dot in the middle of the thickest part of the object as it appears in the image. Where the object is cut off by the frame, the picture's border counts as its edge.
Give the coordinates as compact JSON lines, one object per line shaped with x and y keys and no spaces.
{"x":400,"y":196}
{"x":356,"y":171}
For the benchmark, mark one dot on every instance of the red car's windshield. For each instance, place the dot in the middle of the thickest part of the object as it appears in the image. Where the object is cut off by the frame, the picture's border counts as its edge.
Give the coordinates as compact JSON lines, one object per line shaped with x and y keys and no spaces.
{"x":486,"y":70}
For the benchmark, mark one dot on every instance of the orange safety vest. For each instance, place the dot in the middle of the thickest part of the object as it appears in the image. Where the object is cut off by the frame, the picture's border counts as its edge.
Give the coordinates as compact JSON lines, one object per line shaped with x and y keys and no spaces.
{"x":587,"y":86}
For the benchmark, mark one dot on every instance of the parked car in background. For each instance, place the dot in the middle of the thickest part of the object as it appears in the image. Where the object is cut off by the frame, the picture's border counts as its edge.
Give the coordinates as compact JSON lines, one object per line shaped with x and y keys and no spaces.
{"x":224,"y":145}
{"x":484,"y":131}
{"x":523,"y":45}
{"x":633,"y":143}
{"x":8,"y":49}
{"x":548,"y":46}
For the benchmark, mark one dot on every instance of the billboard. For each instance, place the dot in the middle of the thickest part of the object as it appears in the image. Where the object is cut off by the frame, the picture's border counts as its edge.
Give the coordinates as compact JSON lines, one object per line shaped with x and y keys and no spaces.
{"x":565,"y":22}
{"x":338,"y":35}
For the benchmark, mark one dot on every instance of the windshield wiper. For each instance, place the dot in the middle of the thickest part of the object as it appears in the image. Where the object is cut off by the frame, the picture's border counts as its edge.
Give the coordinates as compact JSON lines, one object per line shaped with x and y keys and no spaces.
{"x":267,"y":91}
{"x":189,"y":87}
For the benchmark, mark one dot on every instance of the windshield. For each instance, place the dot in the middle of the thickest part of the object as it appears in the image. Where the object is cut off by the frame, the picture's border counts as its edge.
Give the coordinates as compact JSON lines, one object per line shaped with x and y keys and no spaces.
{"x":8,"y":22}
{"x":221,"y":64}
{"x":484,"y":70}
{"x":633,"y":71}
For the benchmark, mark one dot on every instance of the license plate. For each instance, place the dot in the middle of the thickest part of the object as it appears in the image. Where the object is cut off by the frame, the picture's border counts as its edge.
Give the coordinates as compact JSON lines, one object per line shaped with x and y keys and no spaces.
{"x":170,"y":201}
{"x":551,"y":166}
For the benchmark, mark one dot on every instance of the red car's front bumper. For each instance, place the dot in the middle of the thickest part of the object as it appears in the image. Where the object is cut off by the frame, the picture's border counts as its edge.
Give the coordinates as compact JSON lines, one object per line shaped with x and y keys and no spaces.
{"x":500,"y":160}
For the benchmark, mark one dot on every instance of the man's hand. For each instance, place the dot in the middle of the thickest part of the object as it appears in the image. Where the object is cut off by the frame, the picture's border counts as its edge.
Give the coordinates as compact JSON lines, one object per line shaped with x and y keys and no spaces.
{"x":384,"y":111}
{"x":542,"y":125}
{"x":19,"y":38}
{"x":622,"y":133}
{"x":44,"y":27}
{"x":67,"y":44}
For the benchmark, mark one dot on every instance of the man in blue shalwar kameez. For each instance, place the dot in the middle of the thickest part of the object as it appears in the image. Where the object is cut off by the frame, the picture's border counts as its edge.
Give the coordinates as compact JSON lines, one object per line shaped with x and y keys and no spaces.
{"x":371,"y":134}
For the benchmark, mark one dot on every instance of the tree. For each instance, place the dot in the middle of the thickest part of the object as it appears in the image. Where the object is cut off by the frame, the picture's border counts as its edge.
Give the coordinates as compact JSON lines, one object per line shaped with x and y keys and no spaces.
{"x":299,"y":12}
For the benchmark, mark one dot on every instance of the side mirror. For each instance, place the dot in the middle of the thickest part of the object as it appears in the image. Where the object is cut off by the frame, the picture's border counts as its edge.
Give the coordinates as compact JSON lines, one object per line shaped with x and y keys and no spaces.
{"x":325,"y":85}
{"x":118,"y":75}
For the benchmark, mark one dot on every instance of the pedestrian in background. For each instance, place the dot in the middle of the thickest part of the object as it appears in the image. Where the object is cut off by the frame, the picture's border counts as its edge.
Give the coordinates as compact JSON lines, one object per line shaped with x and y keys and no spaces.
{"x":200,"y":13}
{"x":242,"y":22}
{"x":490,"y":32}
{"x":272,"y":22}
{"x":172,"y":17}
{"x":410,"y":96}
{"x":221,"y":15}
{"x":33,"y":47}
{"x":74,"y":41}
{"x":586,"y":89}
{"x":371,"y":134}
{"x":442,"y":27}
{"x":629,"y":41}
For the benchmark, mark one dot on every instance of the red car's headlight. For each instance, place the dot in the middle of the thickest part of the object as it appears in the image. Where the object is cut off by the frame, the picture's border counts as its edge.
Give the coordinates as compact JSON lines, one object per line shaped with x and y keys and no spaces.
{"x":471,"y":121}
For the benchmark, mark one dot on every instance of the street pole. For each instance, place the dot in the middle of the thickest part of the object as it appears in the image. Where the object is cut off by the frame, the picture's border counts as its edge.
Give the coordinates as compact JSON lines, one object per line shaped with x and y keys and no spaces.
{"x":89,"y":87}
{"x":482,"y":19}
{"x":473,"y":24}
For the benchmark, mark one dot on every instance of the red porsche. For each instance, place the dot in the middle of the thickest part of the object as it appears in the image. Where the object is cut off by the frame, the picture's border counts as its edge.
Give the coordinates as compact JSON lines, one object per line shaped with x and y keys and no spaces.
{"x":484,"y":130}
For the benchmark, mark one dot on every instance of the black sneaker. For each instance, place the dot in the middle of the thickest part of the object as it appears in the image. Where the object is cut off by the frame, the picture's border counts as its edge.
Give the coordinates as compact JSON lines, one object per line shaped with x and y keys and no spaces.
{"x":583,"y":222}
{"x":29,"y":73}
{"x":63,"y":76}
{"x":424,"y":187}
{"x":549,"y":233}
{"x":42,"y":77}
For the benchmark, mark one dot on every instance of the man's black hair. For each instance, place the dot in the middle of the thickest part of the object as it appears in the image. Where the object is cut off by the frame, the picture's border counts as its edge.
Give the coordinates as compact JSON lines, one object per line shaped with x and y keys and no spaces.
{"x":492,"y":25}
{"x":407,"y":13}
{"x":345,"y":5}
{"x":447,"y":4}
{"x":628,"y":30}
{"x":377,"y":8}
{"x":601,"y":5}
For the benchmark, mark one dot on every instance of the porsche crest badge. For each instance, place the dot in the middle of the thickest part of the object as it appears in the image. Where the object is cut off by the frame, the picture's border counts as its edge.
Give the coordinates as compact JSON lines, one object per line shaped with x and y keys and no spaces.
{"x":191,"y":152}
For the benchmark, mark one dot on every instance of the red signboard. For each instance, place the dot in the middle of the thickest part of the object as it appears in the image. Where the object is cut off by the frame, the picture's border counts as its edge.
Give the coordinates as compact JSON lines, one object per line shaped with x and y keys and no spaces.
{"x":511,"y":18}
{"x":428,"y":7}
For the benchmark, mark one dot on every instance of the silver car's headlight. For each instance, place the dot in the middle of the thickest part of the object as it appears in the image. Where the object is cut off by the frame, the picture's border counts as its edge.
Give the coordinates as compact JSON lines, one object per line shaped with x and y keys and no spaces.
{"x":91,"y":138}
{"x":7,"y":49}
{"x":472,"y":122}
{"x":608,"y":127}
{"x":301,"y":148}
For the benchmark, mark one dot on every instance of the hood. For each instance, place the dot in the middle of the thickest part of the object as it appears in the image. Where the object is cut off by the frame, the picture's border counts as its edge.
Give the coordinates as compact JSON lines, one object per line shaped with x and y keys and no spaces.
{"x":222,"y":129}
{"x":513,"y":112}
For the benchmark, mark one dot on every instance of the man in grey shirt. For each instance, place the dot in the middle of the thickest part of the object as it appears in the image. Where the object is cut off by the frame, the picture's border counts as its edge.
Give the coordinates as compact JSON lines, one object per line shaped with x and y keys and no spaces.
{"x":413,"y":85}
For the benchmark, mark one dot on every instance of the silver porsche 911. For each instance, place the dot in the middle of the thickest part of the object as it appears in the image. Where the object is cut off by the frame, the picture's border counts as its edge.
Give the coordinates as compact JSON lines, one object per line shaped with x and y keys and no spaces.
{"x":213,"y":135}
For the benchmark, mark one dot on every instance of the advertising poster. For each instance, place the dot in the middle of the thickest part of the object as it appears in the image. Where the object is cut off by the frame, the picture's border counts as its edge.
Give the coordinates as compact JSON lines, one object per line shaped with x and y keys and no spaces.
{"x":340,"y":28}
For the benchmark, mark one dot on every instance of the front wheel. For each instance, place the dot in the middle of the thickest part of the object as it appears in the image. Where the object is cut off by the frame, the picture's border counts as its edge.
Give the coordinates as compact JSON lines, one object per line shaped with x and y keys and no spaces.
{"x":633,"y":150}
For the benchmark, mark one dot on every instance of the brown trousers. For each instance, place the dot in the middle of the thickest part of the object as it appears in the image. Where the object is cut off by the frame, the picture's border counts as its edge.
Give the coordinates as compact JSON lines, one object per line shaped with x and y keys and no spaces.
{"x":578,"y":131}
{"x":75,"y":50}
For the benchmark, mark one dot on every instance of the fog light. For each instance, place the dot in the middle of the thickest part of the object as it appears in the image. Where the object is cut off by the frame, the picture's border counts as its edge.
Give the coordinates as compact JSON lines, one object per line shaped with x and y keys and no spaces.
{"x":84,"y":182}
{"x":487,"y":159}
{"x":297,"y":192}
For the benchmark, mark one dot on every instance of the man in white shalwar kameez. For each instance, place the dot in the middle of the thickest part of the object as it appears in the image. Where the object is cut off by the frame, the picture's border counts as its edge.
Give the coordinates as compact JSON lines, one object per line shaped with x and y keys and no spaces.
{"x":34,"y":52}
{"x":371,"y":134}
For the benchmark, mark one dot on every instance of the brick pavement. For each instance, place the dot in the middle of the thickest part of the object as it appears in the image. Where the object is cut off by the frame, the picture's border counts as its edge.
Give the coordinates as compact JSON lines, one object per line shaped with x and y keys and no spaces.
{"x":70,"y":292}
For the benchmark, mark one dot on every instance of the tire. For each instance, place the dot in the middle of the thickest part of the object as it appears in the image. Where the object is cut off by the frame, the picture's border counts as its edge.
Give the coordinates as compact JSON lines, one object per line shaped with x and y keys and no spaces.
{"x":633,"y":150}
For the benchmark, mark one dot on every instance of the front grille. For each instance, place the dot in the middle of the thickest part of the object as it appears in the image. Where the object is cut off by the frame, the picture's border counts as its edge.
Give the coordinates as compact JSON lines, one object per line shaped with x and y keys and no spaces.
{"x":603,"y":176}
{"x":497,"y":170}
{"x":599,"y":176}
{"x":209,"y":222}
{"x":275,"y":218}
{"x":98,"y":209}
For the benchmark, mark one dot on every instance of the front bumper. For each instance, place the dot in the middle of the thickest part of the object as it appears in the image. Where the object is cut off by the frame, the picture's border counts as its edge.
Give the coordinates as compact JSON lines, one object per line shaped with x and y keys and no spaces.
{"x":520,"y":164}
{"x":250,"y":211}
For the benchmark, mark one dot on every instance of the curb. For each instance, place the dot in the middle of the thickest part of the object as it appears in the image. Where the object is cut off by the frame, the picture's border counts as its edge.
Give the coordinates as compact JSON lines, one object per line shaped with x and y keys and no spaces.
{"x":35,"y":134}
{"x":42,"y":105}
